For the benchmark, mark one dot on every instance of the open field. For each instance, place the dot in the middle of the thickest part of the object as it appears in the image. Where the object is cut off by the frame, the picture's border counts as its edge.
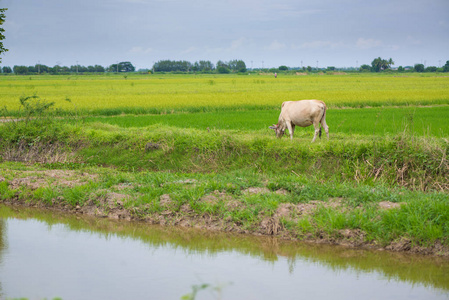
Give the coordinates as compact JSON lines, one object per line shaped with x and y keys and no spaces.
{"x":107,"y":95}
{"x":196,"y":150}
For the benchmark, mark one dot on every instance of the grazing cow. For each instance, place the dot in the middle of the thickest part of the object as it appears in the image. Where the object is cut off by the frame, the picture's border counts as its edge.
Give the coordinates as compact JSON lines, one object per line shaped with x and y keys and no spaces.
{"x":301,"y":113}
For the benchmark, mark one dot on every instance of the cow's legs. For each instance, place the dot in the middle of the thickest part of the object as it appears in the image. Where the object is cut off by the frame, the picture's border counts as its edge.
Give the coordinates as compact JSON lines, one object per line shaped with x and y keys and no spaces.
{"x":317,"y":130}
{"x":292,"y":131}
{"x":324,"y":125}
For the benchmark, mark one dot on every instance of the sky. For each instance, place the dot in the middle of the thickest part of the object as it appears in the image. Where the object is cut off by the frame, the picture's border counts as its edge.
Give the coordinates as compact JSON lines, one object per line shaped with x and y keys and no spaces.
{"x":262,"y":33}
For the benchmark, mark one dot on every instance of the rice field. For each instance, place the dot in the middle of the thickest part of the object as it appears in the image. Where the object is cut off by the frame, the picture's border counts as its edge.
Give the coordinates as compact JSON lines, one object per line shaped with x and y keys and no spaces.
{"x":365,"y":104}
{"x":422,"y":121}
{"x":116,"y":94}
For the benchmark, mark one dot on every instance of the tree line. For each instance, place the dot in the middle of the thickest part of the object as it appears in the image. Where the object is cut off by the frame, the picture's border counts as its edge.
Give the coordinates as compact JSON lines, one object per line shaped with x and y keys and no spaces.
{"x":204,"y":66}
{"x":57,"y":69}
{"x":379,"y":65}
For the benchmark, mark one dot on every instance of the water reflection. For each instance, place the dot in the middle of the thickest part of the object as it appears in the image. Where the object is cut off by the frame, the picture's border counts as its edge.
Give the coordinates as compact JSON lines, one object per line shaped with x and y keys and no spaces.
{"x":177,"y":253}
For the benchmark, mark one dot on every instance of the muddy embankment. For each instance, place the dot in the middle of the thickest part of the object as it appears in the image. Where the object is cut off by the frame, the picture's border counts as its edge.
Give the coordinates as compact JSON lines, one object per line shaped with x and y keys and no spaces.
{"x":115,"y":203}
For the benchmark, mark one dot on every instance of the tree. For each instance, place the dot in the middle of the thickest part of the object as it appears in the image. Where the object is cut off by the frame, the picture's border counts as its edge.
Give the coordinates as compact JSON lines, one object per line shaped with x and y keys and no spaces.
{"x":390,"y":62}
{"x":241,"y":66}
{"x":2,"y":37}
{"x":56,"y":69}
{"x":283,"y":68}
{"x":126,"y":66}
{"x":113,"y":68}
{"x":203,"y":66}
{"x":41,"y":68}
{"x":20,"y":70}
{"x":419,"y":68}
{"x":223,"y":70}
{"x":379,"y":64}
{"x":365,"y":68}
{"x":6,"y":70}
{"x":232,"y":65}
{"x":172,"y":66}
{"x":222,"y":64}
{"x":446,"y":67}
{"x":99,"y":69}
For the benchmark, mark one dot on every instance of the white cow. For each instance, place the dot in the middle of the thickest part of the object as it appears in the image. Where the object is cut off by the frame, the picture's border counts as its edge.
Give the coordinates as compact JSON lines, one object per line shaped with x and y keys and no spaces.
{"x":301,"y":113}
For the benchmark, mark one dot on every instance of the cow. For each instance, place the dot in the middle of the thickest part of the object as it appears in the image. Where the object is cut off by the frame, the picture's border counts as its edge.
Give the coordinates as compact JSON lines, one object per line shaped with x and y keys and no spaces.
{"x":301,"y":113}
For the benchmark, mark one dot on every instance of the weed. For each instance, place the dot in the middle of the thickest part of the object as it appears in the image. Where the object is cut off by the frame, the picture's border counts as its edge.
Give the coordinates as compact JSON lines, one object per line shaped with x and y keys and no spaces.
{"x":5,"y":192}
{"x":45,"y":194}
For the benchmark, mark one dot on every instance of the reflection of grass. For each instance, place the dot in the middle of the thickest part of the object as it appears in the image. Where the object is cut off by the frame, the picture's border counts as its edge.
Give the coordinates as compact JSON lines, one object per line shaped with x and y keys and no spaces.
{"x":215,"y":290}
{"x":429,"y":271}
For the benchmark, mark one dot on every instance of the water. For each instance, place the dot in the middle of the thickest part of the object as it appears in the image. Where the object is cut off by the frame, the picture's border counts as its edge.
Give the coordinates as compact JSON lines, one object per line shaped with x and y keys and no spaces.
{"x":48,"y":255}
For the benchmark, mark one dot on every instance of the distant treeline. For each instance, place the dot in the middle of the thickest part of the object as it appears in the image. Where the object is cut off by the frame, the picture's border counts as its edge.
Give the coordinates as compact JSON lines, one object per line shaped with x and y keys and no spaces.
{"x":202,"y":66}
{"x":160,"y":66}
{"x":379,"y":64}
{"x":205,"y":66}
{"x":57,"y":69}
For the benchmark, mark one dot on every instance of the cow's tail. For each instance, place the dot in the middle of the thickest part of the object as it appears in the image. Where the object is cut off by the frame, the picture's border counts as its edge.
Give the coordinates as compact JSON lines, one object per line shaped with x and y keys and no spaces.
{"x":324,"y":116}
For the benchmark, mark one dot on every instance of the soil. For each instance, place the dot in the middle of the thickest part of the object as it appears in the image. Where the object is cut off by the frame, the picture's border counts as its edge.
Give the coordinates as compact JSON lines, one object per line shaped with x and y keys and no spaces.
{"x":110,"y":204}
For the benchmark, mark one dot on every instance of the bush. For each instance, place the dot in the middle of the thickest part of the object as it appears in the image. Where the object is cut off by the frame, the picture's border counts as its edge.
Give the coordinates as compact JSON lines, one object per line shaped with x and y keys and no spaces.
{"x":223,"y":70}
{"x":35,"y":123}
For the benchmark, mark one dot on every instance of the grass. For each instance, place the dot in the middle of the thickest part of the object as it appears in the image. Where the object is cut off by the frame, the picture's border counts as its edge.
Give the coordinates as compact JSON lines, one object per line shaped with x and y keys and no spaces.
{"x":209,"y":143}
{"x":422,"y":121}
{"x":404,"y":158}
{"x":422,"y":218}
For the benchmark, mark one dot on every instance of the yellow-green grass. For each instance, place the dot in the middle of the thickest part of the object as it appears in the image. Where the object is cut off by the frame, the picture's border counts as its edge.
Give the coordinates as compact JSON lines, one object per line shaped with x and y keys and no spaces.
{"x":167,"y":93}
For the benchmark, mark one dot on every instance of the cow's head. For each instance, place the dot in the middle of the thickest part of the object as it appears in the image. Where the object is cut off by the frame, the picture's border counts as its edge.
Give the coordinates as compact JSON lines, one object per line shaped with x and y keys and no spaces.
{"x":278,"y":130}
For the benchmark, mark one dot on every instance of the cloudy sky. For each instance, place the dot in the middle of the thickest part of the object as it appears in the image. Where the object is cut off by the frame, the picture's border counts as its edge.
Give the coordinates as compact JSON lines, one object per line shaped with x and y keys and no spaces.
{"x":266,"y":33}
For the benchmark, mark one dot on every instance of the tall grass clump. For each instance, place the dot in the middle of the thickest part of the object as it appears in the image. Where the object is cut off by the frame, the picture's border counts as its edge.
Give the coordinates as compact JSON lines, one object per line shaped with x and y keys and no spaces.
{"x":36,"y":133}
{"x":34,"y":122}
{"x":423,"y":219}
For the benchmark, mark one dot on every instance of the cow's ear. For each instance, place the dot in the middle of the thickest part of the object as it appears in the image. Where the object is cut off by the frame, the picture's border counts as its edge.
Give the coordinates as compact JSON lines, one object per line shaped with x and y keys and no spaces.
{"x":273,"y":127}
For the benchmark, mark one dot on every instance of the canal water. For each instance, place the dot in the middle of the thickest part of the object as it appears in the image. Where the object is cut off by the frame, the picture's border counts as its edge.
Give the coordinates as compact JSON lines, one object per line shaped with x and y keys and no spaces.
{"x":47,"y":255}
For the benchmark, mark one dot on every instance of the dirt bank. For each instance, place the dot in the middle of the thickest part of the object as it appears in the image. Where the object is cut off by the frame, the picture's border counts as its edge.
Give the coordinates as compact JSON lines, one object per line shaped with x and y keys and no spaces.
{"x":114,"y":203}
